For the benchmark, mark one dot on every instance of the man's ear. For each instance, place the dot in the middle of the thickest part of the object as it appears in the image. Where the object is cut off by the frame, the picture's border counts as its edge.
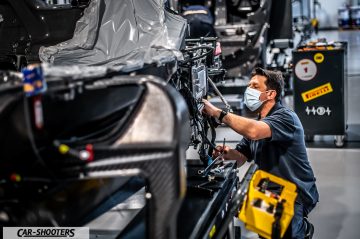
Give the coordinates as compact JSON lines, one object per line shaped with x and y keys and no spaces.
{"x":272,"y":94}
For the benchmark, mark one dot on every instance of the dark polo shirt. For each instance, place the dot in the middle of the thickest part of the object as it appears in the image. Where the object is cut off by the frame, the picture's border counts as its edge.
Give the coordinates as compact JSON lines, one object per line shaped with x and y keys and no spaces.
{"x":284,"y":154}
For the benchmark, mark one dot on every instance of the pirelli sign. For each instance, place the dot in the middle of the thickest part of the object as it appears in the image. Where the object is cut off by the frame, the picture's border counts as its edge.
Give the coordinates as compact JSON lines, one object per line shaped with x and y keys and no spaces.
{"x":317,"y":92}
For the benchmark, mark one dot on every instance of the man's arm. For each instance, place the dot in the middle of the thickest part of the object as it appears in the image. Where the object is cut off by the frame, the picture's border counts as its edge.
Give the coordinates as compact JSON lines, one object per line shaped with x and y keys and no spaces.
{"x":249,"y":128}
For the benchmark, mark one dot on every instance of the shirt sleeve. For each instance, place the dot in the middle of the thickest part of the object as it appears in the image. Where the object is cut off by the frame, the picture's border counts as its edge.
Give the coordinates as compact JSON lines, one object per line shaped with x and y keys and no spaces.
{"x":282,"y":126}
{"x":244,"y":147}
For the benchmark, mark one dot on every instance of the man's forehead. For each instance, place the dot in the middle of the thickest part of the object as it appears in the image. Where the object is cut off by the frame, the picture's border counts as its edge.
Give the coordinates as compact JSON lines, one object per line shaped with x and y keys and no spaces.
{"x":258,"y":79}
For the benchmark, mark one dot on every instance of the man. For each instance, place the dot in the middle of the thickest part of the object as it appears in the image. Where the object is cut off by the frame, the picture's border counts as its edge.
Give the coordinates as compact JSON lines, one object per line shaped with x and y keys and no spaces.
{"x":275,"y":142}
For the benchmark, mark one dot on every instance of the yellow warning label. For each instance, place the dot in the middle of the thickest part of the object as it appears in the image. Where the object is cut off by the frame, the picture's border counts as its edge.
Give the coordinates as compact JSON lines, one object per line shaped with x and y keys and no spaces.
{"x":317,"y":92}
{"x":318,"y":57}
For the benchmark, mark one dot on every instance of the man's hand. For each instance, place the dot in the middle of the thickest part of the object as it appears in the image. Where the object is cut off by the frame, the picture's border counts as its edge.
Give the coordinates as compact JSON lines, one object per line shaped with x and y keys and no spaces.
{"x":230,"y":154}
{"x":210,"y":109}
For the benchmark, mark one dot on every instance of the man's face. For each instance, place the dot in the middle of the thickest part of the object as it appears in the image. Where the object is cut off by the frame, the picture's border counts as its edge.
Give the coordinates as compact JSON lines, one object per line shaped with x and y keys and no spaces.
{"x":257,"y":82}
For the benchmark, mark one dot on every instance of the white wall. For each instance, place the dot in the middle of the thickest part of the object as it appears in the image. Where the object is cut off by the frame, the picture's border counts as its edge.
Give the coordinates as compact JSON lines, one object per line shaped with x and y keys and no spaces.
{"x":328,"y":12}
{"x":296,"y":8}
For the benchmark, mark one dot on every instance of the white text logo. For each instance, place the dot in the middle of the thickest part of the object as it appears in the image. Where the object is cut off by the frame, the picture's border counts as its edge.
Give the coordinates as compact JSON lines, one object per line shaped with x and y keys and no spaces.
{"x":318,"y":110}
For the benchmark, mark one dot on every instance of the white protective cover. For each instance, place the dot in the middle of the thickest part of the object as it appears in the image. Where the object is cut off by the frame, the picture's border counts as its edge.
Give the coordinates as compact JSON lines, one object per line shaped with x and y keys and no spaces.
{"x":121,"y":34}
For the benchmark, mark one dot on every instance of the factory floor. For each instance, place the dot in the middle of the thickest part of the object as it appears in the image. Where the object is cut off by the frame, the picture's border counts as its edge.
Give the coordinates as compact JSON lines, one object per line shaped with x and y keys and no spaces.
{"x":337,"y":170}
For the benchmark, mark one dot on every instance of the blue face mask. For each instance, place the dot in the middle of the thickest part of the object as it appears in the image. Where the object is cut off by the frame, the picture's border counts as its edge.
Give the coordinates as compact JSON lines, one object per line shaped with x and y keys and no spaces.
{"x":252,"y":99}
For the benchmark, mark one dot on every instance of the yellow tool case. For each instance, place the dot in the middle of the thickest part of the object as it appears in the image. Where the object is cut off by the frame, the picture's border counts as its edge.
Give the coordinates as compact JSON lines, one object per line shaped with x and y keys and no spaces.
{"x":264,"y":211}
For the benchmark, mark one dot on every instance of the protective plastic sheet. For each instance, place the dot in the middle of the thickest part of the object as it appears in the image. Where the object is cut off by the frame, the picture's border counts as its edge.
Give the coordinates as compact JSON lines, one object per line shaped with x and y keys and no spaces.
{"x":54,"y":73}
{"x":123,"y":34}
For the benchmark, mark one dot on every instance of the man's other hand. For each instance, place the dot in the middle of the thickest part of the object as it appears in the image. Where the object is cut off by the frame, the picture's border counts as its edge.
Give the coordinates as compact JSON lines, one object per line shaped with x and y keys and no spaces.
{"x":210,"y":109}
{"x":229,"y":154}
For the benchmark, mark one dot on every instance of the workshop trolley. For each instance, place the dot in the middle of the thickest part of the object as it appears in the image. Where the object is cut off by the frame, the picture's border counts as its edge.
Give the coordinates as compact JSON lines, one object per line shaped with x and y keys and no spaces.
{"x":320,"y":89}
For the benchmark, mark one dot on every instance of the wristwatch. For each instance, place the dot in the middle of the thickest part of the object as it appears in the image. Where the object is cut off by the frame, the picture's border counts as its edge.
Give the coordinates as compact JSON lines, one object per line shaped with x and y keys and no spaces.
{"x":222,"y":115}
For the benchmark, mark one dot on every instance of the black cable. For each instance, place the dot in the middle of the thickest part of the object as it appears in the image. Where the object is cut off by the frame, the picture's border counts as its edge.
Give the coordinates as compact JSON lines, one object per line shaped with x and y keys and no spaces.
{"x":203,"y":141}
{"x":198,"y":48}
{"x":213,"y":136}
{"x":198,"y":57}
{"x":32,"y":139}
{"x":204,"y":127}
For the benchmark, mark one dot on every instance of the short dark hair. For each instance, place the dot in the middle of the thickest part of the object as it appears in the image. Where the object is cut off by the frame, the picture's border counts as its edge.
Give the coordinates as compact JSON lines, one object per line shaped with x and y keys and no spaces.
{"x":274,"y":80}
